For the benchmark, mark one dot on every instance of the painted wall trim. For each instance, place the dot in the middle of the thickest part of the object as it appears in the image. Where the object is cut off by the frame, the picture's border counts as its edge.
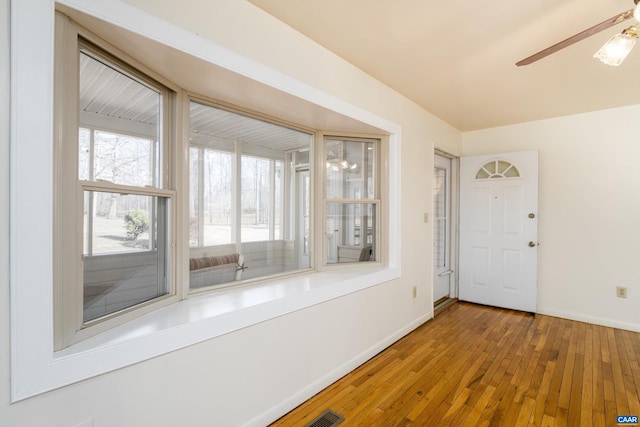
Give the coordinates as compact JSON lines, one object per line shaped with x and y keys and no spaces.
{"x":590,"y":319}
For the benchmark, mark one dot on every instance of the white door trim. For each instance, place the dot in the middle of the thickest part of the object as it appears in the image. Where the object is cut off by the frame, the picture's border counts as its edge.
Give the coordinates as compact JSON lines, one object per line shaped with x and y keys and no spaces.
{"x":454,"y":219}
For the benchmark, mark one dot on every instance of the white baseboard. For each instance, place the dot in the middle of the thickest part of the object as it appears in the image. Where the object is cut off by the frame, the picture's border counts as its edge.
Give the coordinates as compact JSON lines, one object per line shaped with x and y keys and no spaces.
{"x":592,"y":319}
{"x":321,"y":383}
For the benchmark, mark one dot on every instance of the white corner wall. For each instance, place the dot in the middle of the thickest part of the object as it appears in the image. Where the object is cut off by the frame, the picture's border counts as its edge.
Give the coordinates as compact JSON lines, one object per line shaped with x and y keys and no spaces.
{"x":589,"y":212}
{"x":4,"y":208}
{"x":252,"y":376}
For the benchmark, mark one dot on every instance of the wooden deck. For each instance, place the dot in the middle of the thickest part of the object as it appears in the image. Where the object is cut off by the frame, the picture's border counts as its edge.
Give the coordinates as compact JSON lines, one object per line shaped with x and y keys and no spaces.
{"x":481,"y":366}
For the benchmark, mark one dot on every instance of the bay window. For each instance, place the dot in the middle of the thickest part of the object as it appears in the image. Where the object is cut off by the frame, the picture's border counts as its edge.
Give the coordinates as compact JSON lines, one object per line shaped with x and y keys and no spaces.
{"x":256,"y":191}
{"x":66,"y":212}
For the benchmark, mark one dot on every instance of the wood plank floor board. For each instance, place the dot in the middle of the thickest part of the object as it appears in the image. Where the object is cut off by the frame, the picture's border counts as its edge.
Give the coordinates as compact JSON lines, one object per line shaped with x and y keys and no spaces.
{"x":481,"y":366}
{"x":478,"y":407}
{"x":560,"y":356}
{"x":598,"y":380}
{"x":599,"y":419}
{"x":622,"y":405}
{"x":568,"y":370}
{"x":610,"y":411}
{"x":542,"y":393}
{"x":576,"y":400}
{"x":587,"y":407}
{"x":525,"y":412}
{"x":455,"y":412}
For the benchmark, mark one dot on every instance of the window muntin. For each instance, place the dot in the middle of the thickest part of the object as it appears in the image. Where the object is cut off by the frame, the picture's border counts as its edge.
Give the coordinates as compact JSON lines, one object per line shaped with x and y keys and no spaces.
{"x":351,"y":200}
{"x":243,"y":192}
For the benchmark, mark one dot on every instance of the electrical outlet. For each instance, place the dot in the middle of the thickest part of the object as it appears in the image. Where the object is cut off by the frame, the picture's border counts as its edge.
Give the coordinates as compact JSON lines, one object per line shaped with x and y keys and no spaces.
{"x":415,"y":291}
{"x":426,"y":217}
{"x":621,"y":292}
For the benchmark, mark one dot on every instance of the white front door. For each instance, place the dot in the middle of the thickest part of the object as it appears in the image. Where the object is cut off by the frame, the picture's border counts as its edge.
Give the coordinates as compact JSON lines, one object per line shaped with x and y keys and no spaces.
{"x":442,"y":271}
{"x":499,"y":230}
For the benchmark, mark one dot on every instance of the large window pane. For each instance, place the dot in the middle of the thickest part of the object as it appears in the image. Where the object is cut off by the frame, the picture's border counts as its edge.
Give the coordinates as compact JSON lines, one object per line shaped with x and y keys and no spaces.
{"x":217,"y":215}
{"x":350,"y":169}
{"x":109,"y":99}
{"x":350,"y":232}
{"x":259,"y":183}
{"x":210,"y":198}
{"x":116,"y":223}
{"x":245,"y":202}
{"x":126,"y":252}
{"x":122,"y":159}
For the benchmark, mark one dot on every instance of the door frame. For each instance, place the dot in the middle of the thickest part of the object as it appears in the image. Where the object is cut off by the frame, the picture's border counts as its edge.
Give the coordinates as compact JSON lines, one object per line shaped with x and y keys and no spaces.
{"x":454,"y":229}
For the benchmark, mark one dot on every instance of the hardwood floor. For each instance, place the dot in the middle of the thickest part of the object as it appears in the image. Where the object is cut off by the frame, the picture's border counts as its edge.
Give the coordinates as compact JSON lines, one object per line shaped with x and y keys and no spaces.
{"x":481,"y":366}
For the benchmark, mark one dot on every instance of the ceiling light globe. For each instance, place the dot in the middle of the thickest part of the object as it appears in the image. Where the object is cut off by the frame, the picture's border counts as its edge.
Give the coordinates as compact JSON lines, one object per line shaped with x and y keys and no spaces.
{"x":618,"y":47}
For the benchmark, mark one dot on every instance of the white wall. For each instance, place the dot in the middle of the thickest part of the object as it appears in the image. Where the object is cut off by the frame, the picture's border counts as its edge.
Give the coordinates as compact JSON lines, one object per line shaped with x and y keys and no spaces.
{"x":4,"y":209}
{"x":233,"y":379}
{"x":589,"y":217}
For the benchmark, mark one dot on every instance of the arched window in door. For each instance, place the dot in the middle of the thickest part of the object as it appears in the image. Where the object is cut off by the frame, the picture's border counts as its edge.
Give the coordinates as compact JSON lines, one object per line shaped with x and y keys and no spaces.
{"x":498,"y":169}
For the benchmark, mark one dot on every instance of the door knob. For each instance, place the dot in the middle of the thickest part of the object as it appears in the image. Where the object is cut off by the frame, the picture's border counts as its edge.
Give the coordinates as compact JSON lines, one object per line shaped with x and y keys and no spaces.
{"x":532,"y":244}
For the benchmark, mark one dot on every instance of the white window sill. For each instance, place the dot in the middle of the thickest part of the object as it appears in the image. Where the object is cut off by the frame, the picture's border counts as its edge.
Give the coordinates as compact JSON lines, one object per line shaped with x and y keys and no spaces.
{"x":204,"y":317}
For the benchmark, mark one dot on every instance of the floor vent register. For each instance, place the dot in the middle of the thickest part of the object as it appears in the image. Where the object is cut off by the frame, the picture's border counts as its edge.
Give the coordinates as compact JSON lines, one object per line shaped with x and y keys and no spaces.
{"x":327,"y":419}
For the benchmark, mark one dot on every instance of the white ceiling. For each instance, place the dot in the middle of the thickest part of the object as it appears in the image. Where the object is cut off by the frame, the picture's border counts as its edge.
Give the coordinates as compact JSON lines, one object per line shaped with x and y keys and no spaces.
{"x":457,"y":59}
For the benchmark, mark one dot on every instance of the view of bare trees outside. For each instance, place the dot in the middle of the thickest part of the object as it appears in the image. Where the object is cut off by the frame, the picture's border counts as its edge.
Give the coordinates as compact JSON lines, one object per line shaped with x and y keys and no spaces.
{"x":119,"y":159}
{"x":212,"y":170}
{"x":258,"y":198}
{"x":244,"y":191}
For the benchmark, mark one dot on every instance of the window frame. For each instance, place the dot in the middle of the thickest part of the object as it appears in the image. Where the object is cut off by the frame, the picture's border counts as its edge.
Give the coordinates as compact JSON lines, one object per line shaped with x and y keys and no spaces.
{"x":70,"y":40}
{"x":380,"y":199}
